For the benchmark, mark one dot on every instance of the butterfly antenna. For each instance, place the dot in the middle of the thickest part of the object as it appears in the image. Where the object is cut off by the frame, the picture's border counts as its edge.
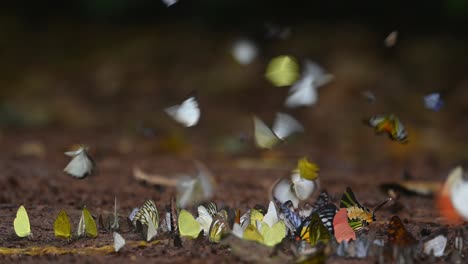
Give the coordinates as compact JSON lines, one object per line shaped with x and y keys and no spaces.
{"x":381,"y":204}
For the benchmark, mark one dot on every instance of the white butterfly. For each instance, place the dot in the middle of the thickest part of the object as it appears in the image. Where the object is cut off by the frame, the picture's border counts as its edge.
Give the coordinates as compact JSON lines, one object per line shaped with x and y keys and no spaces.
{"x":119,"y":241}
{"x":284,"y":126}
{"x":304,"y":91}
{"x":271,"y":217}
{"x":295,"y":190}
{"x":433,"y":102}
{"x":193,"y":190}
{"x":187,"y":113}
{"x":205,"y":216}
{"x":459,"y":192}
{"x":244,"y":51}
{"x":436,"y":246}
{"x":81,"y":165}
{"x":168,"y":3}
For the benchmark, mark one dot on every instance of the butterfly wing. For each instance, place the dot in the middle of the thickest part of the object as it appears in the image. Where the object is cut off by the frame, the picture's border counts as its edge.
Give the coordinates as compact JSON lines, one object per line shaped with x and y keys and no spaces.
{"x":80,"y":166}
{"x":302,"y":93}
{"x":282,"y":71}
{"x":89,"y":223}
{"x":119,"y":241}
{"x":188,"y":226}
{"x":219,"y":228}
{"x":397,"y":233}
{"x":285,"y":125}
{"x":264,"y":136}
{"x":62,"y":226}
{"x":187,"y":113}
{"x":318,"y":232}
{"x":21,"y":223}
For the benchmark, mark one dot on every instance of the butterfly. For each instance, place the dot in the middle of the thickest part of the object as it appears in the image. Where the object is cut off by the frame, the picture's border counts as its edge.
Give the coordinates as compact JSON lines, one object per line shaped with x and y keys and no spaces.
{"x":194,"y":190}
{"x":81,"y":165}
{"x":391,"y":125}
{"x":244,"y":51}
{"x":343,"y":231}
{"x":148,"y":216}
{"x":119,"y":241}
{"x":187,"y":113}
{"x":168,"y":3}
{"x":304,"y":91}
{"x":188,"y":226}
{"x":433,"y":102}
{"x":391,"y":39}
{"x":398,"y":235}
{"x":21,"y":223}
{"x":282,"y":70}
{"x":358,"y":215}
{"x":325,"y":214}
{"x":87,"y":225}
{"x":170,"y":221}
{"x":206,"y":215}
{"x":284,"y":125}
{"x":110,"y":221}
{"x":435,"y":246}
{"x":317,"y":231}
{"x":219,"y":227}
{"x":62,"y":226}
{"x":453,"y":196}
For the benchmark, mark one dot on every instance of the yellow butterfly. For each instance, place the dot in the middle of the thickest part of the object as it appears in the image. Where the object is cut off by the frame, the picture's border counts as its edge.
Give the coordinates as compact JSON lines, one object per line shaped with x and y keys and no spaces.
{"x":188,"y":226}
{"x":273,"y":235}
{"x":251,"y":233}
{"x":87,"y":225}
{"x":21,"y":223}
{"x":62,"y":226}
{"x":307,"y":170}
{"x":219,"y":227}
{"x":282,"y":70}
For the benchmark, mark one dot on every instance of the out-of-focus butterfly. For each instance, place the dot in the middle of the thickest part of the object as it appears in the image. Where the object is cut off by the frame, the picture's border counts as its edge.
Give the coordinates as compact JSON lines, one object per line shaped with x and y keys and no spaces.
{"x":435,"y":246}
{"x":358,"y":215}
{"x":398,"y":235}
{"x":110,"y":221}
{"x":87,"y":225}
{"x":21,"y":223}
{"x":452,"y":200}
{"x":168,"y":3}
{"x":391,"y":39}
{"x":282,"y":70}
{"x":433,"y":102}
{"x":147,"y":216}
{"x":119,"y":241}
{"x":219,"y":227}
{"x":62,"y":226}
{"x":194,"y":190}
{"x":187,"y":113}
{"x":304,"y":91}
{"x":391,"y":125}
{"x":244,"y":51}
{"x":283,"y":126}
{"x":81,"y":165}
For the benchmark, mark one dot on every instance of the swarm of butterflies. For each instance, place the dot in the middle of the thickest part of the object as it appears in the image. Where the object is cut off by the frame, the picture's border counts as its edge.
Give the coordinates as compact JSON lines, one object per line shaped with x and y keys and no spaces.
{"x":290,"y":216}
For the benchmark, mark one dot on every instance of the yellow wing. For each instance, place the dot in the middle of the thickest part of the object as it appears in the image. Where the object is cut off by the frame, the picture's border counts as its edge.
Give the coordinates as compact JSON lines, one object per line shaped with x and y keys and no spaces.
{"x":90,"y":225}
{"x":188,"y":226}
{"x":21,"y":223}
{"x":62,"y":226}
{"x":282,"y":71}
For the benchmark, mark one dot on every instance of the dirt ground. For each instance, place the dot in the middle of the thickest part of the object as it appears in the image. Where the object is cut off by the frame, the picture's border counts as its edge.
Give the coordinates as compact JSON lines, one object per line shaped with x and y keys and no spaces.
{"x":126,"y":128}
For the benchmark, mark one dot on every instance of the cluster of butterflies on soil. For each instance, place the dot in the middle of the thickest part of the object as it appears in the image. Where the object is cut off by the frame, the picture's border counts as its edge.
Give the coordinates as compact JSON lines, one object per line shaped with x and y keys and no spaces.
{"x":311,"y":229}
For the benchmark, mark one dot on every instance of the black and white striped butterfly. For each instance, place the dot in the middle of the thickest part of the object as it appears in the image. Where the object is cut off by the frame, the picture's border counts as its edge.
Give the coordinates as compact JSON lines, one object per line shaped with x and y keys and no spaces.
{"x":148,"y":216}
{"x":187,"y":113}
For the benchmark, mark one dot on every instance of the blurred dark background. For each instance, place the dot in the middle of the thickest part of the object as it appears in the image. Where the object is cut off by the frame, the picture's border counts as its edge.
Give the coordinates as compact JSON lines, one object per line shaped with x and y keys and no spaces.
{"x":115,"y":64}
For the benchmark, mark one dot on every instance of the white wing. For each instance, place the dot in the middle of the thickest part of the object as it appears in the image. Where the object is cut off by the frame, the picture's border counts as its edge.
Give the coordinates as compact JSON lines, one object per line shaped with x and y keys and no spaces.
{"x":244,"y":51}
{"x":320,"y":77}
{"x":286,"y":125}
{"x":271,"y":217}
{"x":302,"y":93}
{"x":119,"y":241}
{"x":81,"y":226}
{"x":168,"y":3}
{"x":303,"y":188}
{"x":151,"y":232}
{"x":264,"y":136}
{"x":282,"y":192}
{"x":204,"y":218}
{"x":237,"y":231}
{"x":80,"y":166}
{"x":436,"y":246}
{"x":187,"y":113}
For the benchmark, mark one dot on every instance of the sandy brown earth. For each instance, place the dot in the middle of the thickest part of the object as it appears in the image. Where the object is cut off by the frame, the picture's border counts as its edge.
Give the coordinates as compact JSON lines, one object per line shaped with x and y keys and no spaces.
{"x":112,"y":101}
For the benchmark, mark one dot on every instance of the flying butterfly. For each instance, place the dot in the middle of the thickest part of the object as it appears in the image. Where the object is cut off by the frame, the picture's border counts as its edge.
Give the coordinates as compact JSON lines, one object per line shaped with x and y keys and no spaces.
{"x":358,"y":215}
{"x":87,"y":225}
{"x":148,"y":216}
{"x":62,"y":226}
{"x":282,"y":70}
{"x":391,"y":125}
{"x":81,"y":165}
{"x":219,"y":227}
{"x":21,"y":223}
{"x":283,"y":126}
{"x":187,"y":113}
{"x":433,"y":102}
